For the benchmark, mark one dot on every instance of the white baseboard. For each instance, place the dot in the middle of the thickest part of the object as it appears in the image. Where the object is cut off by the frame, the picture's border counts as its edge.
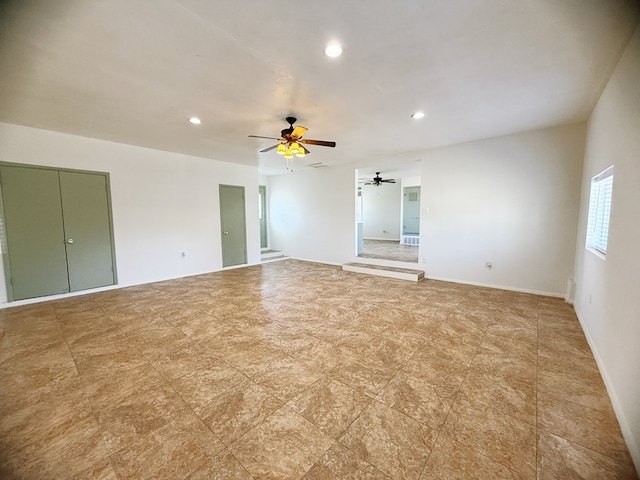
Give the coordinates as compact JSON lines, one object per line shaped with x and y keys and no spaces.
{"x":499,"y":287}
{"x":316,"y":261}
{"x":627,"y":433}
{"x":386,"y":239}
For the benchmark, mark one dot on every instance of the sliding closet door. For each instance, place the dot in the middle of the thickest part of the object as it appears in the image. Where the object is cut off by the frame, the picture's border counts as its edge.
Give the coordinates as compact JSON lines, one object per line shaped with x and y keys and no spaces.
{"x":87,"y":229}
{"x":33,"y":220}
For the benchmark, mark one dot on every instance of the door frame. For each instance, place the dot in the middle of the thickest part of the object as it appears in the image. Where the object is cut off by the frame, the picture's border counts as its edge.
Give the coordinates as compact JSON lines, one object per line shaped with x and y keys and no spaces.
{"x":262,"y":198}
{"x":3,"y":232}
{"x":404,"y":206}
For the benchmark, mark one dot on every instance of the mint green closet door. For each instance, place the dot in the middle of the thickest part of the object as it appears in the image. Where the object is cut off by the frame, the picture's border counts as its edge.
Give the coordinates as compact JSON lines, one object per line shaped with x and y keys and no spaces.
{"x":232,"y":221}
{"x":87,"y":229}
{"x":35,"y":240}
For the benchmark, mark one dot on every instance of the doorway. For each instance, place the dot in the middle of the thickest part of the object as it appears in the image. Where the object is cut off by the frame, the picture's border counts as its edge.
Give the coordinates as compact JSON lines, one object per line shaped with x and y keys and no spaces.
{"x":233,"y":224}
{"x":411,"y":211}
{"x":262,"y":213}
{"x":388,"y":218}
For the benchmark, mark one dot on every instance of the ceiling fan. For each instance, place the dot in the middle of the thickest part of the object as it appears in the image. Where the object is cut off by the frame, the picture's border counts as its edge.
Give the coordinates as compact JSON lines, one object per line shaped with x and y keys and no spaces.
{"x":378,"y":180}
{"x":291,"y":142}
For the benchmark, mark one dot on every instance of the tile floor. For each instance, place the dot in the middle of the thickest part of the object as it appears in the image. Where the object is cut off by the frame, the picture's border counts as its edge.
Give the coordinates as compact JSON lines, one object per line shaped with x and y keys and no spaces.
{"x":298,"y":370}
{"x":389,"y":250}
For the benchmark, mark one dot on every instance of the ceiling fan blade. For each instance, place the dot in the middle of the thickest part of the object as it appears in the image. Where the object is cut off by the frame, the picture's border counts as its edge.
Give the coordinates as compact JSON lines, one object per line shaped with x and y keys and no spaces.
{"x":260,"y":136}
{"x":299,"y":131}
{"x":306,"y":152}
{"x":388,"y":180}
{"x":270,"y":148}
{"x":322,"y":143}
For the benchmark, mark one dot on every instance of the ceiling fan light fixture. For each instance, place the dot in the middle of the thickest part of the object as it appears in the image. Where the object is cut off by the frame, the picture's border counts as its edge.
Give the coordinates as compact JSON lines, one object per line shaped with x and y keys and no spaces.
{"x":288,"y":154}
{"x":281,"y":149}
{"x":294,"y":147}
{"x":300,"y":153}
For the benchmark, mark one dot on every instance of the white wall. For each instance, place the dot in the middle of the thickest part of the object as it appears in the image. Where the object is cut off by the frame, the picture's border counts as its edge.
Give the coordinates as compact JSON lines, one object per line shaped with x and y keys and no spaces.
{"x":163,"y":203}
{"x":312,"y":214}
{"x":512,"y":201}
{"x":410,"y":181}
{"x":381,"y":213}
{"x":607,"y":291}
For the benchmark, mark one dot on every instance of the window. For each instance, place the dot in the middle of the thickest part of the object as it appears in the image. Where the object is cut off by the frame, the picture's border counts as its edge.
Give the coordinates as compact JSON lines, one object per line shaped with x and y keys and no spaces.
{"x":599,"y":209}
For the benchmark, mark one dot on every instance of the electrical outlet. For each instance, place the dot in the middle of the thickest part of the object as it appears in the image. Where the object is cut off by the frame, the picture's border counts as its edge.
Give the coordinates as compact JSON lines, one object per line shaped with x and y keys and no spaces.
{"x":489,"y":265}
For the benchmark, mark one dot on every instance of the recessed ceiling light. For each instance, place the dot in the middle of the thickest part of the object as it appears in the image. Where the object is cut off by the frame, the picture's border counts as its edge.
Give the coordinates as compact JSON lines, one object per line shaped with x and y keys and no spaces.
{"x":195,"y":120}
{"x":417,"y":115}
{"x":333,"y":50}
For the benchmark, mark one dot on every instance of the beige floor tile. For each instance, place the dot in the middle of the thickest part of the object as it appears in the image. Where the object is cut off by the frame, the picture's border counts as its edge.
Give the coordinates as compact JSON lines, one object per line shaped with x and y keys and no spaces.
{"x":245,"y":353}
{"x":451,"y":460}
{"x":425,"y":402}
{"x":162,"y":454}
{"x":392,"y":442}
{"x":574,"y":378}
{"x":317,"y":354}
{"x":155,"y":340}
{"x":224,"y":466}
{"x":330,"y":405}
{"x":594,"y":428}
{"x":200,"y":387}
{"x":516,"y":367}
{"x":516,"y":328}
{"x":285,"y":378}
{"x":508,"y":396}
{"x":100,"y":471}
{"x":284,"y":446}
{"x":183,"y":359}
{"x":560,"y":458}
{"x":339,"y":463}
{"x":65,"y":453}
{"x":468,"y":329}
{"x":500,"y":437}
{"x":103,"y":393}
{"x":140,"y":415}
{"x":367,"y":378}
{"x":48,"y":419}
{"x":158,"y":380}
{"x":232,"y":413}
{"x":509,"y":346}
{"x":450,"y":347}
{"x":436,"y":368}
{"x":31,"y":382}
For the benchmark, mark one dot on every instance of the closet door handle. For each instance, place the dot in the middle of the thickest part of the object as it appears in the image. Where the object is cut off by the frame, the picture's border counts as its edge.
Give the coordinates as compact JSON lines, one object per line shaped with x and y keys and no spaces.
{"x":69,"y":241}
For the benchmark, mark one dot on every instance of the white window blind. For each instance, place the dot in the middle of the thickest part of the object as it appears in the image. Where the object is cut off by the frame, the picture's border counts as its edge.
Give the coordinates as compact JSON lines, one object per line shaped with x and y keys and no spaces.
{"x":599,"y":211}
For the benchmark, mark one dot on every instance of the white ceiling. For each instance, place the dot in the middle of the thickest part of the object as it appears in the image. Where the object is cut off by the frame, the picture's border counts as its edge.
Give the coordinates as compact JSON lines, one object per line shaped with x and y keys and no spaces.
{"x":134,"y":71}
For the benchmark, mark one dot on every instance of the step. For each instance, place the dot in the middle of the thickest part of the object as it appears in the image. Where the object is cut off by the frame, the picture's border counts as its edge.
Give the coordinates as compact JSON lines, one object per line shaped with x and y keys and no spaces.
{"x":270,"y":253}
{"x":382,"y":271}
{"x":273,"y":259}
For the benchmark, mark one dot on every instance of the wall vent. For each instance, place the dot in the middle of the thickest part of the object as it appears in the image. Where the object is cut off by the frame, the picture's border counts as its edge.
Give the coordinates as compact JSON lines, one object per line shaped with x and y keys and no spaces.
{"x":410,"y":240}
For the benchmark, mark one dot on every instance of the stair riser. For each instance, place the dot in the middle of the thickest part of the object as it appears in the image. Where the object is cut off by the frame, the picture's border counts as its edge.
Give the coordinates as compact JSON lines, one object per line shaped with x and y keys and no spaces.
{"x":412,"y":277}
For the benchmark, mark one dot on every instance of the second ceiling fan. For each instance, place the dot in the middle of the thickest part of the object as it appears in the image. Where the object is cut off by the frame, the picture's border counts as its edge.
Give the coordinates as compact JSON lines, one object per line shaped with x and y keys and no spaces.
{"x":378,"y":180}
